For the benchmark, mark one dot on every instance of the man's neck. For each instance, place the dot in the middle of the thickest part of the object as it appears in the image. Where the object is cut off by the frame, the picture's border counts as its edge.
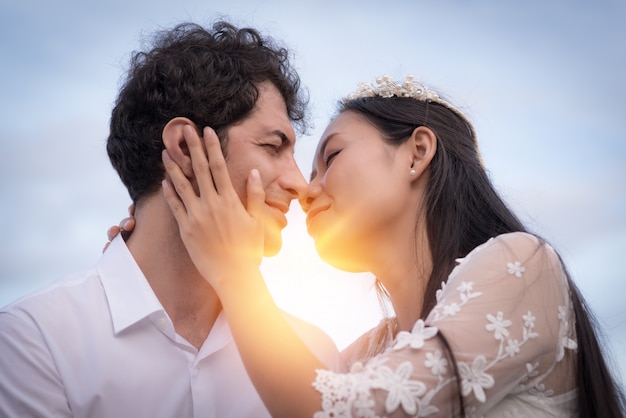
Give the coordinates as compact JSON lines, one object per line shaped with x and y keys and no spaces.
{"x":155,"y":243}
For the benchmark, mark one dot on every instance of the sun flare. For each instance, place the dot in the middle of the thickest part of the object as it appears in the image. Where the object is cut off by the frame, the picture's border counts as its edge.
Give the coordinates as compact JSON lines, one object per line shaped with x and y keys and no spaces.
{"x":344,"y":305}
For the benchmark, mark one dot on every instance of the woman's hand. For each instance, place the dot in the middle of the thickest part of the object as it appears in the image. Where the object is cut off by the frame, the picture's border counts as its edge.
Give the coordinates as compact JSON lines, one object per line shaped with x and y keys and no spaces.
{"x":224,"y":238}
{"x":225,"y":241}
{"x":125,"y":227}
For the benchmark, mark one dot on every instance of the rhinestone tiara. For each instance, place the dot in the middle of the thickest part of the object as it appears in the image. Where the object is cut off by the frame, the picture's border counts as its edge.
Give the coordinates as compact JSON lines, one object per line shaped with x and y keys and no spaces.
{"x":386,"y":87}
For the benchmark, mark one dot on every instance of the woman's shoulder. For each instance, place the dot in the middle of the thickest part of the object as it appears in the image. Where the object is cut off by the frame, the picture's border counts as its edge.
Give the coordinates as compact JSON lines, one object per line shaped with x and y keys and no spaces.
{"x":519,"y":245}
{"x":520,"y":240}
{"x":523,"y":257}
{"x":515,"y":240}
{"x":369,"y":344}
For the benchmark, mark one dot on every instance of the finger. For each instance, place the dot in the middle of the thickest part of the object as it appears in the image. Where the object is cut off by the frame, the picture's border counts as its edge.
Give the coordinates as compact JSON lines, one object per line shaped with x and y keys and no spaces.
{"x":199,"y":161}
{"x":131,"y":209}
{"x":255,"y":195}
{"x":112,"y":232}
{"x":176,"y":205}
{"x":217,"y":163}
{"x":182,"y":192}
{"x":127,"y":224}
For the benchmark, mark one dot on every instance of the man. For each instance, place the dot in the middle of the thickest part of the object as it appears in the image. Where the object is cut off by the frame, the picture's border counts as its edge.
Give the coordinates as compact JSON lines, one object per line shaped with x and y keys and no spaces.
{"x":142,"y":334}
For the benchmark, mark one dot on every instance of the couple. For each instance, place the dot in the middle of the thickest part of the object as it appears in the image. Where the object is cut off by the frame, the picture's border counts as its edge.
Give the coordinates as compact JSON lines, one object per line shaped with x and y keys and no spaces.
{"x":487,"y":321}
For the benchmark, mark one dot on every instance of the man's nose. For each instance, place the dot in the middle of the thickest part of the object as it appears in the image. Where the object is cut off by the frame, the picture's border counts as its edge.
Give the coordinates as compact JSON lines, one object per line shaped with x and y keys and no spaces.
{"x":293,"y":181}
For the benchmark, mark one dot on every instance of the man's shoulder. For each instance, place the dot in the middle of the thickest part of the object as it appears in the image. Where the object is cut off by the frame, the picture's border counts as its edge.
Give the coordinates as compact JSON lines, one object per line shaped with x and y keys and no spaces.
{"x":61,"y":297}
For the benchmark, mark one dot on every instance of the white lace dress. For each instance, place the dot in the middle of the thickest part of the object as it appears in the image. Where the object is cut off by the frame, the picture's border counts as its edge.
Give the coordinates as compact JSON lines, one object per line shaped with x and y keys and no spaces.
{"x":506,"y":314}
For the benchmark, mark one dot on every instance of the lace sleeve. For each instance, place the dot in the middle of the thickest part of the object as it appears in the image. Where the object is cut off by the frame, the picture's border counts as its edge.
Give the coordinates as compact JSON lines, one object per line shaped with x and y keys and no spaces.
{"x":506,"y":317}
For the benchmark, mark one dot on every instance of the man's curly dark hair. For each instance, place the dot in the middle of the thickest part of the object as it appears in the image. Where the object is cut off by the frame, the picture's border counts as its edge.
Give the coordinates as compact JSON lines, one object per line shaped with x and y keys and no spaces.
{"x":207,"y":75}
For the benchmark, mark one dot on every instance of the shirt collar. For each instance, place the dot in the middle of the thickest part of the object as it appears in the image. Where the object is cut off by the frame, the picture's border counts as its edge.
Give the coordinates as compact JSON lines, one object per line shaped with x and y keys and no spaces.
{"x":128,"y":293}
{"x":218,"y":337}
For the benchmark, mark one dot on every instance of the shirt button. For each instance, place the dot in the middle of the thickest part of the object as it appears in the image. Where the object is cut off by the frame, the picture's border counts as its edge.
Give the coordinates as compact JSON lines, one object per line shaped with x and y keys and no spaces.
{"x":162,"y":322}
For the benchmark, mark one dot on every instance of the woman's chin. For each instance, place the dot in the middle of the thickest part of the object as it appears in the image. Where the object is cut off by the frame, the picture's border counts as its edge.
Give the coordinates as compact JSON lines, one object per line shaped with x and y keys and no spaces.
{"x":338,"y":257}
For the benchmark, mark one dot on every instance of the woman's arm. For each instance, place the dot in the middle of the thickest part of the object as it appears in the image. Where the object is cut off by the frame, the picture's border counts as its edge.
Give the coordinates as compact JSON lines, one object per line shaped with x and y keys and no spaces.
{"x":225,"y":242}
{"x":504,"y":313}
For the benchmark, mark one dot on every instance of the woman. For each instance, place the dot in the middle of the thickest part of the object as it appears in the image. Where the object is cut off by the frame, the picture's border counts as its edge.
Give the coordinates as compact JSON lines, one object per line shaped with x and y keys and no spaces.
{"x":487,"y":321}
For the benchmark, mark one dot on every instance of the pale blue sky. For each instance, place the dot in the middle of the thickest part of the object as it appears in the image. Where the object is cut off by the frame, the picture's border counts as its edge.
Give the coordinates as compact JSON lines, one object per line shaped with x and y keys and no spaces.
{"x":542,"y":80}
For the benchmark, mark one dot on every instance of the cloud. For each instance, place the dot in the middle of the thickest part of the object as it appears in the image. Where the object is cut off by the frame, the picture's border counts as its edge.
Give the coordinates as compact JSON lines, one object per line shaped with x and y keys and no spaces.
{"x":543,"y":82}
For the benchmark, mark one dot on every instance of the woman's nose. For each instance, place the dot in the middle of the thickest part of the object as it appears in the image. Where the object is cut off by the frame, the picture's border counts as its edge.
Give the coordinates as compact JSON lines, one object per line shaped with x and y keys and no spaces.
{"x":311,"y":192}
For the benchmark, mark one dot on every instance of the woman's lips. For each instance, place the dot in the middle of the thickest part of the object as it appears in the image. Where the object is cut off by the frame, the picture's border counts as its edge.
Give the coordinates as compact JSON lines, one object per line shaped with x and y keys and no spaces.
{"x":314,"y":212}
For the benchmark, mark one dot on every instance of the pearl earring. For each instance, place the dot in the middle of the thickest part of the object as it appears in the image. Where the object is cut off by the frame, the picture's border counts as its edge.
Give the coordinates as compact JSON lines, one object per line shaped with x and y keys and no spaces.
{"x":412,"y":172}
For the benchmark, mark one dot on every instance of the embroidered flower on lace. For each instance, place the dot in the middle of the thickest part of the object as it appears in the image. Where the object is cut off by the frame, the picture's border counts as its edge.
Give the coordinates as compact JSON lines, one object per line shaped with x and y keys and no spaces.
{"x":564,"y":338}
{"x":441,"y":310}
{"x":335,"y":393}
{"x":531,"y":371}
{"x":437,"y":364}
{"x":567,"y":343}
{"x":474,"y":379}
{"x":401,"y":389}
{"x":415,"y":338}
{"x":343,"y":396}
{"x":451,"y":309}
{"x":424,"y":407}
{"x":541,"y":391}
{"x":357,"y":367}
{"x":529,"y":320}
{"x":470,"y":412}
{"x":364,"y":406}
{"x":465,"y":287}
{"x":512,"y":348}
{"x":439,"y":293}
{"x":498,"y":325}
{"x":516,"y":269}
{"x":529,"y":334}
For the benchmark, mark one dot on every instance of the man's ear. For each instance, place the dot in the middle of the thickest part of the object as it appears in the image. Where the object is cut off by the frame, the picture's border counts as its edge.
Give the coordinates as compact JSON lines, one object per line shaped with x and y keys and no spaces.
{"x":175,"y":143}
{"x":423,"y":143}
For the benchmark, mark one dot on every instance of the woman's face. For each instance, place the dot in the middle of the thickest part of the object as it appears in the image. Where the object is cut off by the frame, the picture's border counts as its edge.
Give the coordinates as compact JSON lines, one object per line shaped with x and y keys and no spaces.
{"x":360,"y":190}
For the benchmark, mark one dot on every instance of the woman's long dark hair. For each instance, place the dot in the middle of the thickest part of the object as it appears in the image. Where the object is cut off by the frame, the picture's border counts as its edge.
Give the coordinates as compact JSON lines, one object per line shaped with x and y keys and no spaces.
{"x":463,"y":210}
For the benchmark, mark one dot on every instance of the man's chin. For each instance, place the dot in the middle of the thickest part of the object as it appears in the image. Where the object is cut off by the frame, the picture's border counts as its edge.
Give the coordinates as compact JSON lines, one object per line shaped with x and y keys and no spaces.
{"x":273,"y":244}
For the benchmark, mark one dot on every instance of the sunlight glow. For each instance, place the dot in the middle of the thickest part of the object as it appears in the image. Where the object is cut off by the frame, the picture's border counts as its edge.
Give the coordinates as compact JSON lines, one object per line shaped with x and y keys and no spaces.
{"x":344,"y":305}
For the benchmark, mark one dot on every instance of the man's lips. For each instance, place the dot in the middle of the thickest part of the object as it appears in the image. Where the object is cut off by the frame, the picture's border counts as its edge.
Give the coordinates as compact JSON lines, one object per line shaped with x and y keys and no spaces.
{"x":284,"y":208}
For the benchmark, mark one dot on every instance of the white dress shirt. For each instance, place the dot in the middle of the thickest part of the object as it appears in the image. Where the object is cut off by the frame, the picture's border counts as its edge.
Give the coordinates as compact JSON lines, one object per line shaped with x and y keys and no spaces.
{"x":99,"y":344}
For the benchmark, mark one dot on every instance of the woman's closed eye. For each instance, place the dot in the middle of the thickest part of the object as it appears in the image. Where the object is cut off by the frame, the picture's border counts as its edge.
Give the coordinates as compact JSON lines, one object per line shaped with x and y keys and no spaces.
{"x":331,"y":156}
